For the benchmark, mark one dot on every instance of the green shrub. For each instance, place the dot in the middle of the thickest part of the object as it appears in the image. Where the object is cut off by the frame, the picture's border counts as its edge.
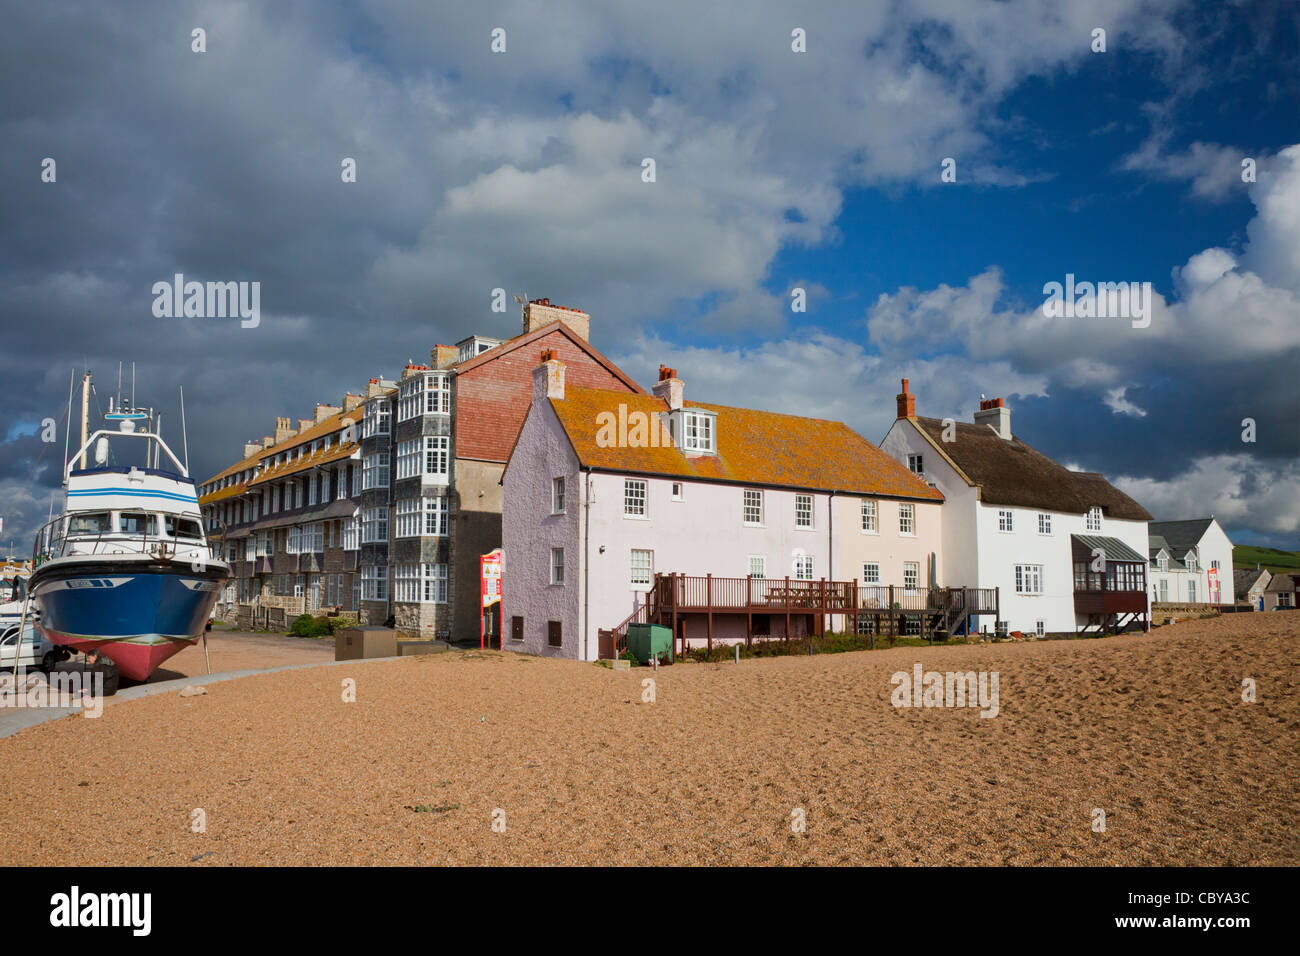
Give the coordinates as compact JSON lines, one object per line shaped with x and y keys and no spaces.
{"x":304,"y":625}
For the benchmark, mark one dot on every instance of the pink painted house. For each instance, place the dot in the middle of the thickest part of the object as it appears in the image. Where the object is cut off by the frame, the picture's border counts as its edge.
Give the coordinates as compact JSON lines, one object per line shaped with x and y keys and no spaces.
{"x":724,"y":523}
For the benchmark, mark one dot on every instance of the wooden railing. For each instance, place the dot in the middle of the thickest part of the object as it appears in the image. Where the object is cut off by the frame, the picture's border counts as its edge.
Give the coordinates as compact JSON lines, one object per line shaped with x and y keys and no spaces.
{"x":688,"y":593}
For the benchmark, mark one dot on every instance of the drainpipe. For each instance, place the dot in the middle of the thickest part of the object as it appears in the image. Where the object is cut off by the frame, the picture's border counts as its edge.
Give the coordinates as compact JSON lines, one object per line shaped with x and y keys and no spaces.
{"x":830,"y":540}
{"x":586,"y":562}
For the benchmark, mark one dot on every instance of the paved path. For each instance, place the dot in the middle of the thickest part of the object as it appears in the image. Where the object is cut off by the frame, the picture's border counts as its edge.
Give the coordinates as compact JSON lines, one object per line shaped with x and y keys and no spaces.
{"x":234,"y":654}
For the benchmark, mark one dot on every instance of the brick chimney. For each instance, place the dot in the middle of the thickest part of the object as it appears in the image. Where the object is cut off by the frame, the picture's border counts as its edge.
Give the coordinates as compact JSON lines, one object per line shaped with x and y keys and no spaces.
{"x":251,"y":448}
{"x":325,"y":411}
{"x":548,"y":378}
{"x":540,"y":312}
{"x":267,"y":442}
{"x":351,"y":401}
{"x":669,"y":387}
{"x":906,"y":403}
{"x":304,"y":424}
{"x":997,"y":416}
{"x":413,"y":370}
{"x":443,"y":356}
{"x":282,"y":429}
{"x":377,"y":386}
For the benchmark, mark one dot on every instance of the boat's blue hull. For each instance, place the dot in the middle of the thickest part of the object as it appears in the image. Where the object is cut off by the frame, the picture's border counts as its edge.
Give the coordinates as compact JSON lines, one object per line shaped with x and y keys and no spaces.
{"x":135,"y":613}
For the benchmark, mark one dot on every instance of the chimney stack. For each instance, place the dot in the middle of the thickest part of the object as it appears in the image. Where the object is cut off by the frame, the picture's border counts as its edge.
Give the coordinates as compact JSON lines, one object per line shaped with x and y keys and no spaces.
{"x":444,"y":356}
{"x":325,"y":411}
{"x":997,"y":416}
{"x":282,"y":430}
{"x":669,"y":387}
{"x":540,"y":312}
{"x":251,"y":448}
{"x":906,"y":403}
{"x":304,"y":424}
{"x":351,"y":401}
{"x":548,"y":378}
{"x":267,"y":442}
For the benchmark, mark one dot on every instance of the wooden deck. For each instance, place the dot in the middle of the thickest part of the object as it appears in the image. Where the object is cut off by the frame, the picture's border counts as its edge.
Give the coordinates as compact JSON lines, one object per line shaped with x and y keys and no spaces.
{"x":672,"y":598}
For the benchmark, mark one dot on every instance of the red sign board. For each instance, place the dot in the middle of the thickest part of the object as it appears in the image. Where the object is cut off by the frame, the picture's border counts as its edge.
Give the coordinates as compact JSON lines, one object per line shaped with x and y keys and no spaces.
{"x":1213,"y":574}
{"x":489,"y":586}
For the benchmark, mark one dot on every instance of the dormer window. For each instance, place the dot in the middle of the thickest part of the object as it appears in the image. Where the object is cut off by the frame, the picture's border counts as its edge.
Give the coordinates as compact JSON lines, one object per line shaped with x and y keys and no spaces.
{"x":1190,"y":561}
{"x":699,"y":432}
{"x":1162,"y":562}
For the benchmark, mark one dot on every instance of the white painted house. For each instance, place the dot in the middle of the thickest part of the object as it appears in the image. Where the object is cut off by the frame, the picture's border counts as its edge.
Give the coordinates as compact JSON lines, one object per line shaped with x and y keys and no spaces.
{"x":605,"y":490}
{"x":1067,"y":550}
{"x":1191,"y":562}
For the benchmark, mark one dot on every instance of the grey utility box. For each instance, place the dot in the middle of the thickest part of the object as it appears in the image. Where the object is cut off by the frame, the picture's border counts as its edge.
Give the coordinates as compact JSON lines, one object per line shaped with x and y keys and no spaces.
{"x":356,"y":643}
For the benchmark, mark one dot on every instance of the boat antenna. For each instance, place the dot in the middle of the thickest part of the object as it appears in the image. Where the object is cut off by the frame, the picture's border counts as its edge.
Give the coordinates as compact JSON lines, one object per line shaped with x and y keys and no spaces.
{"x":119,"y":382}
{"x":132,"y":386}
{"x":67,"y":425}
{"x":185,"y":439}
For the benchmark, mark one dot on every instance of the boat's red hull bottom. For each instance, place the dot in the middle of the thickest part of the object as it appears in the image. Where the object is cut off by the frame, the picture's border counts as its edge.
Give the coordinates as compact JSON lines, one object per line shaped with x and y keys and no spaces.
{"x":136,"y":657}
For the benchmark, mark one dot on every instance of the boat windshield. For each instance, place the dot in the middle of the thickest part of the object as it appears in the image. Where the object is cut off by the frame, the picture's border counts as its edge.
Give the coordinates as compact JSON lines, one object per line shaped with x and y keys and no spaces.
{"x":182,"y":527}
{"x":138,"y":522}
{"x":92,"y":522}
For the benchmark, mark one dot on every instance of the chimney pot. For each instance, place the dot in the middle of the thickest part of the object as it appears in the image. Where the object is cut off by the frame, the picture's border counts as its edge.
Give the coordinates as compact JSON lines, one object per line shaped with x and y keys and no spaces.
{"x":906,"y":403}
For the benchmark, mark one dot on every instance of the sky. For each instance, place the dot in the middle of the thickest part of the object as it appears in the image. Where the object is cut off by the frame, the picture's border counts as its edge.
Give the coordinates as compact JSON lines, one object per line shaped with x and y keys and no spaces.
{"x":775,"y":170}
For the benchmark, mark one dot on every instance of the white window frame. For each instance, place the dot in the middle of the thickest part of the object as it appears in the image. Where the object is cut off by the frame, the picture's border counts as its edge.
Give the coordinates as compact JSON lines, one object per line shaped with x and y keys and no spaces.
{"x":870,"y":516}
{"x":803,"y":567}
{"x":630,"y":498}
{"x":752,"y":502}
{"x":557,"y":496}
{"x":1044,"y":523}
{"x":801,"y":513}
{"x":642,"y":569}
{"x":557,"y":567}
{"x":906,"y":519}
{"x":1029,"y":579}
{"x":912,"y":569}
{"x":916,"y":464}
{"x":699,"y":432}
{"x":871,"y":572}
{"x":1007,"y":521}
{"x":757,"y":566}
{"x":1094,"y":518}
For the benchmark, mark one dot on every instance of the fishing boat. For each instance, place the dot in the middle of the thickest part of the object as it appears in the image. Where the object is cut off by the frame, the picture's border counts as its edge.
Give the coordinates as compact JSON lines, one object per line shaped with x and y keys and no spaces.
{"x":125,"y":571}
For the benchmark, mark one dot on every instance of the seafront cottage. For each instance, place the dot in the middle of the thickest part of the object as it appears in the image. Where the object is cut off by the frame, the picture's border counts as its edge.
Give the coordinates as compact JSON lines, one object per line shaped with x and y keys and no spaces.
{"x":382,"y":508}
{"x":1248,"y":586}
{"x":1067,"y":550}
{"x":727,"y":524}
{"x":1191,"y":562}
{"x":1282,"y":593}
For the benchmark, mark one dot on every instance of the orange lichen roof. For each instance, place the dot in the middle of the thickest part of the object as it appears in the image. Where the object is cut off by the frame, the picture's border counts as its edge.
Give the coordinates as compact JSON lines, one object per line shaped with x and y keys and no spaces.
{"x":222,"y":494}
{"x":328,"y":426}
{"x":249,"y":462}
{"x":754,"y":448}
{"x":295,"y":465}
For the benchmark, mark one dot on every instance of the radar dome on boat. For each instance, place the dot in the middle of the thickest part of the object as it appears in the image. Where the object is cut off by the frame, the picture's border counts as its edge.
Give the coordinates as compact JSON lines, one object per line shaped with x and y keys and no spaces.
{"x":127,"y":426}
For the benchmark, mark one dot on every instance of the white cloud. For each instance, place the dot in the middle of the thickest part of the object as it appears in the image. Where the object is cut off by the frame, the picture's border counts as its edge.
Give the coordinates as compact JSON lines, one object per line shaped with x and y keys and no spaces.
{"x":1238,"y":490}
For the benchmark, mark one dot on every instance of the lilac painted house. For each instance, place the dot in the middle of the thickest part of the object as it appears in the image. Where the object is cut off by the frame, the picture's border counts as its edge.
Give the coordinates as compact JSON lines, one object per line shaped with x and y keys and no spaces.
{"x":724,"y":523}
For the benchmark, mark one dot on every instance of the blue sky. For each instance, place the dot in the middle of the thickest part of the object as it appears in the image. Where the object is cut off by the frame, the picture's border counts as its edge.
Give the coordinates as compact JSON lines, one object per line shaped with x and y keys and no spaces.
{"x":775,"y":169}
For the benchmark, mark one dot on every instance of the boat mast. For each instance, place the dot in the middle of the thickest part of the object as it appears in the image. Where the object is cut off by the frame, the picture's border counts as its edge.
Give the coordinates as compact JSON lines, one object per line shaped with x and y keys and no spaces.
{"x":85,"y":414}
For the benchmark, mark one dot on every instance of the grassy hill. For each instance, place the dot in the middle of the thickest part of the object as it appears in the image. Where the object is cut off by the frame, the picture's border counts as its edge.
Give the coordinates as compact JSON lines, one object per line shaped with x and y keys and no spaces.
{"x":1247,"y":556}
